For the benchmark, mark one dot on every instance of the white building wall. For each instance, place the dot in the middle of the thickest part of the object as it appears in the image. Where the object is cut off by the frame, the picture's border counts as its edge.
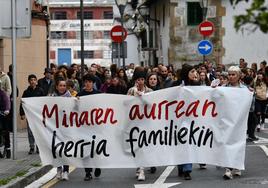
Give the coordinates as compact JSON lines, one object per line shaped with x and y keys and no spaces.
{"x":89,"y":44}
{"x":252,"y":46}
{"x":132,"y":50}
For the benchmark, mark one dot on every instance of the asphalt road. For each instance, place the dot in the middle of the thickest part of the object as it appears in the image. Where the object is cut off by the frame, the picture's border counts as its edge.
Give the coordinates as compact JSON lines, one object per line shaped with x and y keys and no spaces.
{"x":255,"y":175}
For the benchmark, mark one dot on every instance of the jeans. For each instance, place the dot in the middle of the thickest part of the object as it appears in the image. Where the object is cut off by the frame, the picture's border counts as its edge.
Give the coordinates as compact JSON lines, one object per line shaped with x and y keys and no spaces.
{"x":88,"y":170}
{"x":260,"y":110}
{"x":251,"y":124}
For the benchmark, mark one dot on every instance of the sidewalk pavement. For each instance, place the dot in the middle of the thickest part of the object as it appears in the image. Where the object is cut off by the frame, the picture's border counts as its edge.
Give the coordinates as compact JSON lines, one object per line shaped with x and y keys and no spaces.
{"x":25,"y":169}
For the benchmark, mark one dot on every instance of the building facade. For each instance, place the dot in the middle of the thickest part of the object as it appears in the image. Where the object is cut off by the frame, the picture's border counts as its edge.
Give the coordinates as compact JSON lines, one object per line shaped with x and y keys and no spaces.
{"x":65,"y":41}
{"x":172,"y":34}
{"x":31,"y":53}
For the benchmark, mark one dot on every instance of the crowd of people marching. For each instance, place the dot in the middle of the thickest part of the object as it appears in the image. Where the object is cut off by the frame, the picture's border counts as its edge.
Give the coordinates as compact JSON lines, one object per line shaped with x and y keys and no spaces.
{"x":67,"y":81}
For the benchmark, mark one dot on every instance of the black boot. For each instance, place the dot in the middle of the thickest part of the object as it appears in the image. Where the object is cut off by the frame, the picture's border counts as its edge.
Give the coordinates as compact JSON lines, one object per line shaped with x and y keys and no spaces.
{"x":153,"y":170}
{"x":97,"y":172}
{"x":187,"y":175}
{"x":88,"y":177}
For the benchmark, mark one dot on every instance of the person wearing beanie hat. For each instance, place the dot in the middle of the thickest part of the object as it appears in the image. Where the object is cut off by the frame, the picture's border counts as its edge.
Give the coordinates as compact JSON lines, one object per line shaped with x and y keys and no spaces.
{"x":137,"y":90}
{"x":139,"y":74}
{"x":140,"y":87}
{"x":46,"y":82}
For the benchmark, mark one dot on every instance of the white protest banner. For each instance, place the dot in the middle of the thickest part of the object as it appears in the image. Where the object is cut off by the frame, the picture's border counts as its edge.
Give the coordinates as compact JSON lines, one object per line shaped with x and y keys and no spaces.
{"x":167,"y":127}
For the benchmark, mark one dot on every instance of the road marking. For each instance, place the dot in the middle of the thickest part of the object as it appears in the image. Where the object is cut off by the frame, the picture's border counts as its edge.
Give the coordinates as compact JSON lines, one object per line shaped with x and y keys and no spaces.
{"x":55,"y":180}
{"x":206,"y":47}
{"x":261,"y":141}
{"x":159,"y":183}
{"x":48,"y":180}
{"x":265,"y":149}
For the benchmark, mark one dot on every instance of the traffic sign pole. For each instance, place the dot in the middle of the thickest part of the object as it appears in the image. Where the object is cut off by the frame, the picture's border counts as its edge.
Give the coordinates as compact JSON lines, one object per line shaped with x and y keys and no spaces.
{"x":118,"y":54}
{"x":118,"y":34}
{"x":14,"y":81}
{"x":206,"y":28}
{"x":123,"y":44}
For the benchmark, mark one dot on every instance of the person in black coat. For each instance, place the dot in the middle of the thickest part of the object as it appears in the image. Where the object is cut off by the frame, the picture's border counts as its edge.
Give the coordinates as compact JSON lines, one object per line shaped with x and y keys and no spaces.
{"x":88,"y":89}
{"x":46,"y":82}
{"x":32,"y":91}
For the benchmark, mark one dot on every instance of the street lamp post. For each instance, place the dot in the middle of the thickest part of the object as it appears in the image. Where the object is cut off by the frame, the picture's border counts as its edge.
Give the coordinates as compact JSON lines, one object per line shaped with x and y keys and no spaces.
{"x":121,"y":4}
{"x":204,"y":6}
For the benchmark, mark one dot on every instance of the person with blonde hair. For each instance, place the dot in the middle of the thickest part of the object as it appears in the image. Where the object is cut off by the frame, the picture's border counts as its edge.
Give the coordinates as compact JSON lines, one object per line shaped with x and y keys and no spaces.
{"x":234,"y":76}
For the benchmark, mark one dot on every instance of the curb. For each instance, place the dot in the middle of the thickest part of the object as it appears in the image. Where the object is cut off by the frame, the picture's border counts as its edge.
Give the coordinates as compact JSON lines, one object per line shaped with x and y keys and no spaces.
{"x":33,"y":174}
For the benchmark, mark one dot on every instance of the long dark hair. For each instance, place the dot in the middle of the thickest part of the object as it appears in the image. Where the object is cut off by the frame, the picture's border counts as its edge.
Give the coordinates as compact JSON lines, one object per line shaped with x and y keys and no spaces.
{"x":184,"y":75}
{"x":125,"y":78}
{"x":263,"y":80}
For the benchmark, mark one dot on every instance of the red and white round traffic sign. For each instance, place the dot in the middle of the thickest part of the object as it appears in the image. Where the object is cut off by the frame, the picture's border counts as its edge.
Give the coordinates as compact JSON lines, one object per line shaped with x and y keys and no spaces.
{"x":116,"y":33}
{"x":206,"y":28}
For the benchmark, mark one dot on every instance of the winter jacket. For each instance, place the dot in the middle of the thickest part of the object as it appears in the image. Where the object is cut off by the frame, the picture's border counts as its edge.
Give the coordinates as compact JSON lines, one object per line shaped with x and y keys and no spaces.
{"x":4,"y":101}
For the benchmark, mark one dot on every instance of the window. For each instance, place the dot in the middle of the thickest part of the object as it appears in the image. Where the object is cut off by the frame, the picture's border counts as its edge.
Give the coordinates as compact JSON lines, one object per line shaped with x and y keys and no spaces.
{"x":59,"y":15}
{"x":108,"y":15}
{"x":107,"y":54}
{"x":88,"y":54}
{"x":106,"y":35}
{"x":52,"y":54}
{"x":87,"y":15}
{"x":87,"y":35}
{"x":78,"y":35}
{"x":115,"y":50}
{"x":194,"y":13}
{"x":58,"y":34}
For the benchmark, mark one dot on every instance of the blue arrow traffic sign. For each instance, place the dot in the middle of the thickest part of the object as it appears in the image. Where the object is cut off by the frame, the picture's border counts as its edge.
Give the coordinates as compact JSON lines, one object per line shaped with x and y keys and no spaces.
{"x":205,"y":47}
